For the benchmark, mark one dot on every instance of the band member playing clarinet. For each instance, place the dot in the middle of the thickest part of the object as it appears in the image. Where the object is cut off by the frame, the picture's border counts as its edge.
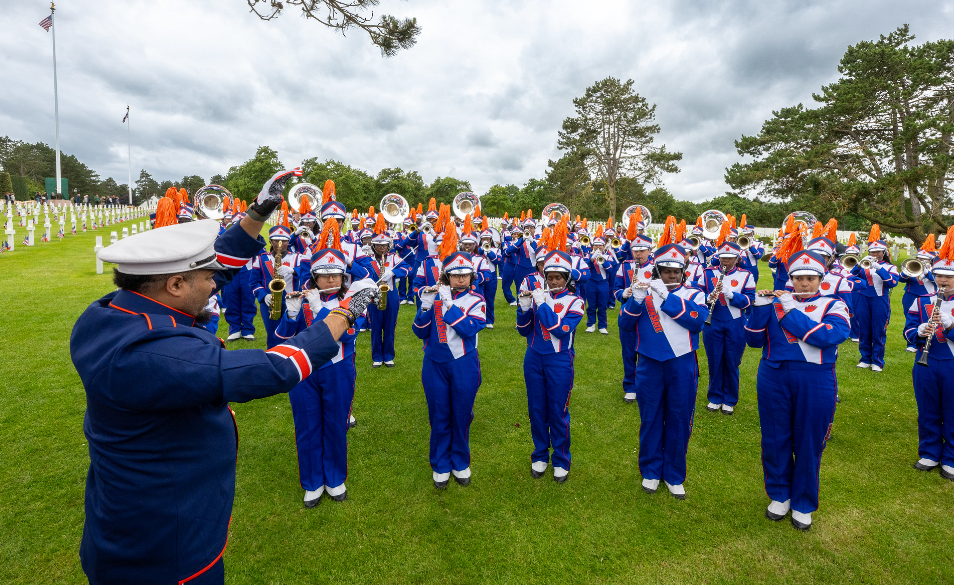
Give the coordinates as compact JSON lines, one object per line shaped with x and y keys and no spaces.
{"x":448,"y":321}
{"x":799,"y":333}
{"x":321,"y":403}
{"x":548,"y":319}
{"x":667,"y":318}
{"x":930,"y":326}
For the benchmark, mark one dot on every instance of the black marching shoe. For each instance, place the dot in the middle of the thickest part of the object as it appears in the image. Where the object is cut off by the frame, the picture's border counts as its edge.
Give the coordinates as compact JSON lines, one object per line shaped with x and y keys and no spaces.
{"x":947,"y":474}
{"x":921,"y":466}
{"x":800,"y":526}
{"x":462,"y":481}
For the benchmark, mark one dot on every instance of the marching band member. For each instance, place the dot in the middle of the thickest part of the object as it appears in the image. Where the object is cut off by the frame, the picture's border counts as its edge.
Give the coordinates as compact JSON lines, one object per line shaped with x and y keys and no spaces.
{"x":729,"y":290}
{"x":407,"y":248}
{"x":932,"y":317}
{"x":524,"y":251}
{"x":487,"y":260}
{"x":919,"y":286}
{"x":321,"y":402}
{"x":508,"y":265}
{"x":702,"y":253}
{"x":359,"y":263}
{"x":639,"y":269}
{"x":305,"y":232}
{"x":666,"y":318}
{"x":799,"y":333}
{"x":385,"y":266}
{"x":263,"y":272}
{"x":548,"y":319}
{"x":853,"y":250}
{"x":239,"y":299}
{"x":448,"y":321}
{"x":602,"y":264}
{"x":755,"y":251}
{"x":873,"y":305}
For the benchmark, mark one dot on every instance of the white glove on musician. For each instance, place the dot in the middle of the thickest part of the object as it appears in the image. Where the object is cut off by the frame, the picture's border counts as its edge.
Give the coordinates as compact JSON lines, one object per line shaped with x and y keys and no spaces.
{"x":293,"y":306}
{"x":539,"y":297}
{"x":639,"y":294}
{"x":366,"y":249}
{"x":427,"y":300}
{"x":268,"y":300}
{"x":947,"y":320}
{"x":728,"y":294}
{"x":788,"y":302}
{"x":923,"y":330}
{"x":659,"y":288}
{"x":387,"y":276}
{"x":525,"y":302}
{"x":445,"y":293}
{"x":627,"y":292}
{"x":761,"y":301}
{"x":314,"y":299}
{"x":286,"y":272}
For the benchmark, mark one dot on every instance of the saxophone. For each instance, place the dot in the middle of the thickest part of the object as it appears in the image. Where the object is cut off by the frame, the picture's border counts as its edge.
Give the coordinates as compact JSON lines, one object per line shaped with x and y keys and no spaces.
{"x":276,"y":287}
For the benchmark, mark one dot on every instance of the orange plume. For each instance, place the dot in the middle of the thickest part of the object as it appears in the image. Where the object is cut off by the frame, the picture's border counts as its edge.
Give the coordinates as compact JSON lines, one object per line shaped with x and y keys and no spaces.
{"x":468,"y":225}
{"x":329,"y":231}
{"x":420,"y":209}
{"x":743,"y":222}
{"x":225,"y":205}
{"x":380,"y":225}
{"x":949,"y":242}
{"x":432,"y":205}
{"x":875,"y":234}
{"x":558,"y":239}
{"x":477,"y":211}
{"x":609,"y":222}
{"x":699,"y":222}
{"x":244,"y":207}
{"x":929,"y":245}
{"x":523,"y":216}
{"x":328,"y":192}
{"x":370,"y":211}
{"x":235,"y":206}
{"x":852,"y":240}
{"x":485,"y":224}
{"x":506,"y":217}
{"x":637,"y":217}
{"x":166,"y":212}
{"x":283,"y":215}
{"x":544,"y":242}
{"x":831,"y":229}
{"x":791,"y":244}
{"x":529,"y":214}
{"x":599,"y":231}
{"x":723,"y":233}
{"x":680,"y":232}
{"x":732,"y":224}
{"x":577,"y":218}
{"x":449,"y":243}
{"x":790,"y":225}
{"x":631,"y":229}
{"x":668,"y":232}
{"x":817,"y":230}
{"x":305,"y":206}
{"x":585,"y":223}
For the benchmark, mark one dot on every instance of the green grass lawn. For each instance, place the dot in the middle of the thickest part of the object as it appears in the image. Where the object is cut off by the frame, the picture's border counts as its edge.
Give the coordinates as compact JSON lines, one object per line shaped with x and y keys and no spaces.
{"x":880,"y":521}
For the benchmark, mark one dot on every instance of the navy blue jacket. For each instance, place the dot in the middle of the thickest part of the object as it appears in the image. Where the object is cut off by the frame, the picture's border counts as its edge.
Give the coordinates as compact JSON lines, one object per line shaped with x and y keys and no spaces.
{"x":162,"y":438}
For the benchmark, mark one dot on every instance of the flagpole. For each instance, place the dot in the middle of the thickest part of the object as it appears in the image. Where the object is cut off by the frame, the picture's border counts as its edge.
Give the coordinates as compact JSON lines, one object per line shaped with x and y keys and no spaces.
{"x":129,"y":145}
{"x":56,"y":108}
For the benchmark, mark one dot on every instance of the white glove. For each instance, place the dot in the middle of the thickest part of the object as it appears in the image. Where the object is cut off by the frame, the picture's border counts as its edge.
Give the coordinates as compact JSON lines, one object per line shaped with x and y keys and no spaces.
{"x":427,"y":300}
{"x":293,"y":306}
{"x":268,"y":300}
{"x":445,"y":292}
{"x":525,"y":302}
{"x":387,"y":276}
{"x":539,"y":297}
{"x":728,"y":294}
{"x":627,"y":292}
{"x":923,"y":329}
{"x":788,"y":302}
{"x":314,"y":299}
{"x":761,"y":301}
{"x":286,"y":272}
{"x":659,"y":288}
{"x":946,"y":320}
{"x":366,"y":249}
{"x":639,"y":295}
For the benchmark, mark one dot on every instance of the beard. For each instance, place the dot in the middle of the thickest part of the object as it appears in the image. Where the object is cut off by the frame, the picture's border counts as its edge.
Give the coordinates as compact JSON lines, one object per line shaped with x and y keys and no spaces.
{"x":203,"y":317}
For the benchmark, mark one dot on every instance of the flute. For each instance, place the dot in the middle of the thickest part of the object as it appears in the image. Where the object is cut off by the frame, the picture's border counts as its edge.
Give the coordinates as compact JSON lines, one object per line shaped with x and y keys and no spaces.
{"x":529,"y":293}
{"x":435,"y":288}
{"x":301,"y":293}
{"x":773,"y":293}
{"x":645,"y":285}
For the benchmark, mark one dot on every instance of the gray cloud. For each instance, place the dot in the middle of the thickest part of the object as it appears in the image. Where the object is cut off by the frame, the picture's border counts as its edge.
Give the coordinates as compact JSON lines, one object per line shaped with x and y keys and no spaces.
{"x":480,"y":98}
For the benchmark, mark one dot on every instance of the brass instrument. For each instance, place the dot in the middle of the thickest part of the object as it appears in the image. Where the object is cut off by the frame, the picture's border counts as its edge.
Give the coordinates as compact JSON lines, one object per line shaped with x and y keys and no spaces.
{"x":599,"y":258}
{"x":923,"y":360}
{"x":712,"y":220}
{"x":913,"y":268}
{"x":465,"y":203}
{"x":486,"y":246}
{"x":208,"y":201}
{"x":303,"y":191}
{"x":807,"y":220}
{"x":631,"y":210}
{"x":427,"y":228}
{"x":276,"y":287}
{"x":557,"y":209}
{"x":528,"y":233}
{"x":744,"y":242}
{"x":694,"y":242}
{"x":616,"y":242}
{"x":584,"y":240}
{"x":849,"y":261}
{"x":395,"y":208}
{"x":866,"y":263}
{"x":383,"y":301}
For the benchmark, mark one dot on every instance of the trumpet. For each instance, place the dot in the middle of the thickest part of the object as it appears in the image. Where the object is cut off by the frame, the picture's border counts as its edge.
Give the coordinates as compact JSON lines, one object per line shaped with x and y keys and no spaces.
{"x":913,"y":268}
{"x":584,"y":240}
{"x":528,"y":233}
{"x":866,"y":263}
{"x":695,"y":242}
{"x":599,"y":258}
{"x":616,"y":242}
{"x":486,"y":246}
{"x":849,"y":261}
{"x":923,"y":360}
{"x":427,"y":228}
{"x":744,"y":242}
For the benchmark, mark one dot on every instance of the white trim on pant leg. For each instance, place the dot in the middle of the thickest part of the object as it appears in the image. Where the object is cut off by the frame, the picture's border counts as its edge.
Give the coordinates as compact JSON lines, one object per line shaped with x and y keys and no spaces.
{"x":462,"y":474}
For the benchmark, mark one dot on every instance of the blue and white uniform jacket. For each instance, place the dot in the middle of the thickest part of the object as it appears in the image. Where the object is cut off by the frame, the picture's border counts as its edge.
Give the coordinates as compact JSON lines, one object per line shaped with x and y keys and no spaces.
{"x":739,"y":281}
{"x":549,"y":328}
{"x":809,"y":333}
{"x":835,"y":286}
{"x":309,"y":314}
{"x":666,"y":329}
{"x":627,"y":273}
{"x":920,"y":287}
{"x":449,"y":330}
{"x":263,"y":271}
{"x":942,"y":347}
{"x":391,"y":261}
{"x":880,"y":280}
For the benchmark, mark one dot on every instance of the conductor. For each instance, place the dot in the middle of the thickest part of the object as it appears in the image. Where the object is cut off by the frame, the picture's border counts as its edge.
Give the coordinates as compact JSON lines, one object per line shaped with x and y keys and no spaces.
{"x":162,"y":438}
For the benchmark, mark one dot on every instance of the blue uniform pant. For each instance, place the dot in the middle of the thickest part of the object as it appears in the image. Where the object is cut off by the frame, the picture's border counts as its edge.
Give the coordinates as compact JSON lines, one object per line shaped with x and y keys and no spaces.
{"x":507,"y":274}
{"x":934,"y":393}
{"x":383,"y":325}
{"x":489,"y":290}
{"x":627,"y":339}
{"x":597,"y":293}
{"x":796,"y":409}
{"x":666,"y":395}
{"x":321,"y":407}
{"x":873,"y":314}
{"x":271,"y":340}
{"x":549,"y":379}
{"x":240,"y":304}
{"x":214,"y":574}
{"x":725,"y":343}
{"x":907,"y":299}
{"x":403,"y":288}
{"x":853,"y":315}
{"x":451,"y":390}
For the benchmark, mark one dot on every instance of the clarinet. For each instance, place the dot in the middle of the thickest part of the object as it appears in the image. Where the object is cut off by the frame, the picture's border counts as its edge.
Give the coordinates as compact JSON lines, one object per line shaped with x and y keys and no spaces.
{"x":923,"y":360}
{"x":713,"y":302}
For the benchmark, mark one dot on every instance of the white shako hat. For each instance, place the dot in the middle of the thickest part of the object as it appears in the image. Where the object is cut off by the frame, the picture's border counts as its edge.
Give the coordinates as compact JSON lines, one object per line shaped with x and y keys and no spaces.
{"x":175,"y":248}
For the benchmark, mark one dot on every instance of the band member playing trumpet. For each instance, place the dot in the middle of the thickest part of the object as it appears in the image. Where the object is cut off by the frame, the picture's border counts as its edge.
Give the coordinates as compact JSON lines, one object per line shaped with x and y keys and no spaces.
{"x":448,"y":321}
{"x":637,"y":270}
{"x":729,"y":290}
{"x":548,"y":319}
{"x":754,"y":252}
{"x":852,"y":250}
{"x":488,"y":258}
{"x":799,"y":333}
{"x":321,"y":403}
{"x":263,"y":271}
{"x":508,"y":264}
{"x":524,"y":251}
{"x":873,"y":306}
{"x":919,"y":285}
{"x":932,"y":318}
{"x":602,"y":265}
{"x":385,"y":267}
{"x":667,"y":318}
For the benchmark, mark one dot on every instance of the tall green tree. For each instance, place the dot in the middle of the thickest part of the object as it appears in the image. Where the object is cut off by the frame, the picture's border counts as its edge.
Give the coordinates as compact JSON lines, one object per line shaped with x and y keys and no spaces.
{"x":246,"y":180}
{"x":407,"y":184}
{"x":613,"y":131}
{"x":192,"y":183}
{"x":879,"y":144}
{"x":498,"y":200}
{"x":390,"y":34}
{"x":354,"y":188}
{"x":444,"y":189}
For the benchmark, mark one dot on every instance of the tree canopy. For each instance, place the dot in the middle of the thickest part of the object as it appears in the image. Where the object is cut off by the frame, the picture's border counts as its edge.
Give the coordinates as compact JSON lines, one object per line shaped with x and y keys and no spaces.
{"x":877,"y":147}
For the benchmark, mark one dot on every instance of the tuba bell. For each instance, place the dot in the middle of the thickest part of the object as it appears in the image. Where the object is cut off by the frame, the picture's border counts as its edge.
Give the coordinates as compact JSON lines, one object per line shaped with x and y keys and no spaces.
{"x":465,"y":203}
{"x":395,"y":208}
{"x":712,"y":223}
{"x":584,"y":240}
{"x":304,"y":191}
{"x":558,"y":210}
{"x":208,"y":201}
{"x":631,"y":210}
{"x":805,"y":221}
{"x":913,"y":268}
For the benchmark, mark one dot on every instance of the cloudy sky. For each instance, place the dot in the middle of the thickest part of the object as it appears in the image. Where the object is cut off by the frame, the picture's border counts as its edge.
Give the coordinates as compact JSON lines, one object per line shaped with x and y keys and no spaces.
{"x":480,"y":97}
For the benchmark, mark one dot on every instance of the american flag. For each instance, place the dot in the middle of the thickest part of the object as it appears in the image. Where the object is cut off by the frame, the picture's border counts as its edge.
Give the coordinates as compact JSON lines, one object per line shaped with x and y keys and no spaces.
{"x":47,"y":22}
{"x":61,"y":233}
{"x":126,"y":117}
{"x":26,"y":240}
{"x":74,"y":229}
{"x":5,"y":247}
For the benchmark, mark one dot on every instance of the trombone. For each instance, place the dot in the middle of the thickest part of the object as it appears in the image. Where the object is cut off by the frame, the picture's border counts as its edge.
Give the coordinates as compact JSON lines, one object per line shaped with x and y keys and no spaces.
{"x":913,"y":268}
